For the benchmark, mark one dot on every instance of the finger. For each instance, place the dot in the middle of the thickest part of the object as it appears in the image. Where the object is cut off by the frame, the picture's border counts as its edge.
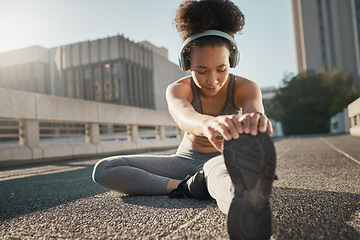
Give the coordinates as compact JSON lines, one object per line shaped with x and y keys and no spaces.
{"x":230,"y":124}
{"x":223,"y":130}
{"x":215,"y":143}
{"x":246,"y":124}
{"x":218,"y":146}
{"x":254,"y":124}
{"x":208,"y":132}
{"x":239,"y":126}
{"x":263,"y":124}
{"x":270,"y":129}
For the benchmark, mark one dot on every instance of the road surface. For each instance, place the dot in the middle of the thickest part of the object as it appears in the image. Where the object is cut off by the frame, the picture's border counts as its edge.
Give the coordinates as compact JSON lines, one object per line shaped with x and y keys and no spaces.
{"x":317,"y":196}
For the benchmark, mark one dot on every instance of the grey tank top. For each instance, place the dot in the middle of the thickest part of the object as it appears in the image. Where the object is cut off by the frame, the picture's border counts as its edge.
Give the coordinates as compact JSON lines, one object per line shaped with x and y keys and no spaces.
{"x":229,"y":106}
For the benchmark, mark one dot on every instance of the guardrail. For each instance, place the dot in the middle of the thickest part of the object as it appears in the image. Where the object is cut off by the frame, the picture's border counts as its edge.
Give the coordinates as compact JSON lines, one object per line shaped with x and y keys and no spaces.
{"x":38,"y":128}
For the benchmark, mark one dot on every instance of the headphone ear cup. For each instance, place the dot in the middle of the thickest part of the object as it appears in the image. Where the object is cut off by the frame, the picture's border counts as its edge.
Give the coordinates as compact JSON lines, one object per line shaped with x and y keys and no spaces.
{"x":181,"y":61}
{"x":234,"y":59}
{"x":184,"y":63}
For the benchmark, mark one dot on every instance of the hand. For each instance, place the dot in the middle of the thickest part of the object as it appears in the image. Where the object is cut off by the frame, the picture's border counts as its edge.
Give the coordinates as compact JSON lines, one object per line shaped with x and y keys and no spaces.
{"x":226,"y":126}
{"x":255,"y":122}
{"x":230,"y":127}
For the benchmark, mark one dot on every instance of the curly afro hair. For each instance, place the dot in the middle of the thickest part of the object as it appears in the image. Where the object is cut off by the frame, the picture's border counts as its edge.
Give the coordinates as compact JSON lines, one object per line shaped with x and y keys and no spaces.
{"x":197,"y":16}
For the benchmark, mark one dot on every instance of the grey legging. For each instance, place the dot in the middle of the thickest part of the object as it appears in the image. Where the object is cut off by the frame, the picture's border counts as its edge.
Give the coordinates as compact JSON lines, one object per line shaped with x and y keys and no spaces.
{"x":149,"y":174}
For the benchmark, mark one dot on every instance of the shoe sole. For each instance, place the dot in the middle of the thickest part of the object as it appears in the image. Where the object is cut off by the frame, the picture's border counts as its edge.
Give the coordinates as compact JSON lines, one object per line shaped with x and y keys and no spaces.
{"x":251,"y":163}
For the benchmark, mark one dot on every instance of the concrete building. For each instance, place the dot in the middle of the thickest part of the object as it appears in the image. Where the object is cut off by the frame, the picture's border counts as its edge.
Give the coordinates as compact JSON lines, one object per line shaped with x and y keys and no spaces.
{"x":340,"y":122}
{"x":327,"y":35}
{"x":26,"y":70}
{"x":113,"y":70}
{"x":354,"y":115}
{"x":268,"y":93}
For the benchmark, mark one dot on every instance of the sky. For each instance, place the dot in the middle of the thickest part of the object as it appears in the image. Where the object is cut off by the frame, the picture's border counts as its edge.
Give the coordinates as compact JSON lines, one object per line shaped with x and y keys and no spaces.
{"x":266,"y":44}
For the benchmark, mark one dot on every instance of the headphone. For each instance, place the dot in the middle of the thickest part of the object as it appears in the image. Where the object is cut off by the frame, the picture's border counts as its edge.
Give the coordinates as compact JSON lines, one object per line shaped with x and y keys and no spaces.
{"x":184,"y":63}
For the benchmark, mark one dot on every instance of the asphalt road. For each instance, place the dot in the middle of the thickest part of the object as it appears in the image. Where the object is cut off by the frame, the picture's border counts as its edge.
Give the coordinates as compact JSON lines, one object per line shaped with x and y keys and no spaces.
{"x":317,"y":196}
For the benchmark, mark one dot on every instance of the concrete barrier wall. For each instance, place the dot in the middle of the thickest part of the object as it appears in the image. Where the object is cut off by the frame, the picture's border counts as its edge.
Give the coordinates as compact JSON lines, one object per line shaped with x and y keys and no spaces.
{"x":24,"y":105}
{"x":354,"y":115}
{"x":31,"y":108}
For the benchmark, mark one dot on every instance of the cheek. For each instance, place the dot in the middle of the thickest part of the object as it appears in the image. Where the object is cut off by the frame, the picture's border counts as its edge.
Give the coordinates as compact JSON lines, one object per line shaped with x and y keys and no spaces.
{"x":224,"y":79}
{"x":198,"y":78}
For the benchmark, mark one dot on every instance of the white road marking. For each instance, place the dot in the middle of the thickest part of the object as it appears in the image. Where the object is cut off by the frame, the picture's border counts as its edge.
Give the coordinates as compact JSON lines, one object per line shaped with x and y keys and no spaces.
{"x":340,"y":151}
{"x":36,"y":171}
{"x":281,"y":154}
{"x":189,"y":222}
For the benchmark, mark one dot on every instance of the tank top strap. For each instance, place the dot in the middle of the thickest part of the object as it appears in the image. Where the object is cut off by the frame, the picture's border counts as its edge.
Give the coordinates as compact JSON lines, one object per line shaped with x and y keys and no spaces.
{"x":196,"y":101}
{"x":230,"y":107}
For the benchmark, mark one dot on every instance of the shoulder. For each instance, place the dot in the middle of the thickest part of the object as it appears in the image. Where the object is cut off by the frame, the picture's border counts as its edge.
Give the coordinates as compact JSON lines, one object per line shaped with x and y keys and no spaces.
{"x":180,"y":88}
{"x":181,"y":84}
{"x":245,"y":89}
{"x":245,"y":84}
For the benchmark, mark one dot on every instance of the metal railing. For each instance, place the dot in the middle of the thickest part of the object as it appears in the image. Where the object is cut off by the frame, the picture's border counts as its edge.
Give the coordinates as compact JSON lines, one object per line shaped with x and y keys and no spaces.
{"x":55,"y":131}
{"x":44,"y":126}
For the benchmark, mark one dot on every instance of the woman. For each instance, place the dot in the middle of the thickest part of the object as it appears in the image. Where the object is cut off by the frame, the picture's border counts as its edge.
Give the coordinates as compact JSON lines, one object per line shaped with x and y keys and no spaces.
{"x":226,"y":152}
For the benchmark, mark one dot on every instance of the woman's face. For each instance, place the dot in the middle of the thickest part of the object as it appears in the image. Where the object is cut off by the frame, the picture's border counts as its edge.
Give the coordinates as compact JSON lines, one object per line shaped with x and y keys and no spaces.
{"x":209,"y":67}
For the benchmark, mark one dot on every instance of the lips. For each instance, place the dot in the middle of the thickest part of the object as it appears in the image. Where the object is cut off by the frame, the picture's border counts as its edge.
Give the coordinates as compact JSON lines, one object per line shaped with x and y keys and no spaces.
{"x":211,"y":89}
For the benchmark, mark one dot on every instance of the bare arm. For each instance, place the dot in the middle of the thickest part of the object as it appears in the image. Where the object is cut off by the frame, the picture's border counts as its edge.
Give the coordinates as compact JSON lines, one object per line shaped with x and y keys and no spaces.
{"x":179,"y":96}
{"x":180,"y":108}
{"x":247,"y":95}
{"x":253,"y":119}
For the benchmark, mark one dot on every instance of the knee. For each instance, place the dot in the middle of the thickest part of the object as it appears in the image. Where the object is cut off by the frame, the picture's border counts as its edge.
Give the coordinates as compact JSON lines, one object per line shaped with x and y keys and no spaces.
{"x":103,"y":167}
{"x":106,"y":167}
{"x":99,"y":171}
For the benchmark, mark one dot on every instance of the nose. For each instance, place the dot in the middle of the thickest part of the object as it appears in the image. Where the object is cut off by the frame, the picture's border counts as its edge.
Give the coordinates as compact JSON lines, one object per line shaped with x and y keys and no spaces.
{"x":212,"y":79}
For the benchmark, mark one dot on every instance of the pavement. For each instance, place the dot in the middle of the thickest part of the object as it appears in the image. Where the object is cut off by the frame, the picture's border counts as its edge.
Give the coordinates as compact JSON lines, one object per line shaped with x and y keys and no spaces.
{"x":317,"y":196}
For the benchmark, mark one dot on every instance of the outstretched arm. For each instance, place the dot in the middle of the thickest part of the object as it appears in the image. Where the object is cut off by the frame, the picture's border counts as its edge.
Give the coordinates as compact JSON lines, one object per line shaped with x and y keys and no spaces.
{"x":253,"y":120}
{"x":179,"y":96}
{"x":247,"y":95}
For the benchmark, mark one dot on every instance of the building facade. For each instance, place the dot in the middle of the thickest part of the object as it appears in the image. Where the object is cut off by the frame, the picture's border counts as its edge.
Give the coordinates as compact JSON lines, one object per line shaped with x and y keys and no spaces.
{"x":113,"y":70}
{"x":26,"y":70}
{"x":354,"y":115}
{"x":340,"y":123}
{"x":327,"y":35}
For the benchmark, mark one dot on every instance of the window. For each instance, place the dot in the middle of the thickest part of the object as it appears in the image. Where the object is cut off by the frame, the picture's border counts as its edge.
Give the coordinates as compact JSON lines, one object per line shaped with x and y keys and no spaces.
{"x":87,"y":83}
{"x":107,"y":82}
{"x":78,"y":87}
{"x":69,"y":83}
{"x":116,"y":74}
{"x":97,"y":83}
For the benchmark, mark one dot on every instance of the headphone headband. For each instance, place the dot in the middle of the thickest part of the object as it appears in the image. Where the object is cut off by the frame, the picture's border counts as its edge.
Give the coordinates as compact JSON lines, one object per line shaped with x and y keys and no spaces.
{"x":234,"y":61}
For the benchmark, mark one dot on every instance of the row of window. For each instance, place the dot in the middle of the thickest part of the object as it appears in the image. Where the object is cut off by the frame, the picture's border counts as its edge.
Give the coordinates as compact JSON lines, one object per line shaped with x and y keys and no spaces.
{"x":118,"y":82}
